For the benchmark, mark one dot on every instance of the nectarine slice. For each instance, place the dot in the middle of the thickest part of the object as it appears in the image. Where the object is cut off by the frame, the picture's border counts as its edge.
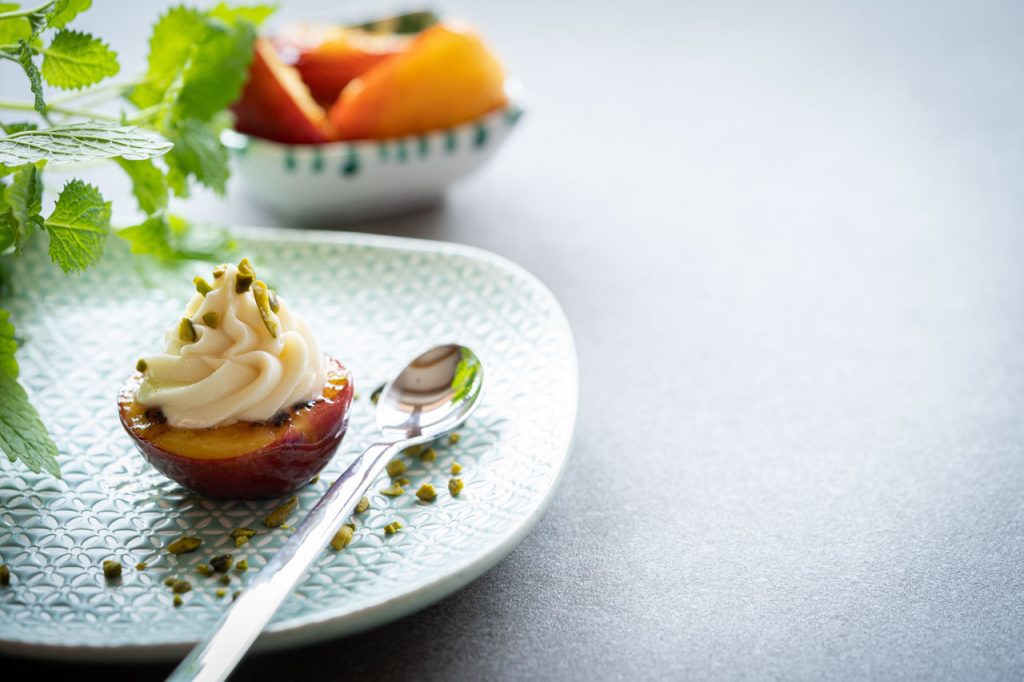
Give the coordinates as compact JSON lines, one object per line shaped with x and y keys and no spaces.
{"x":328,"y":57}
{"x":445,"y":77}
{"x":276,"y":104}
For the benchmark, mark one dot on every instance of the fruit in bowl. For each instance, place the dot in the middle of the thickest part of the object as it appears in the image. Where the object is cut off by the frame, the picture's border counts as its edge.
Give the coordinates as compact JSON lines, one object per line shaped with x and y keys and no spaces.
{"x":241,"y":404}
{"x":342,"y":123}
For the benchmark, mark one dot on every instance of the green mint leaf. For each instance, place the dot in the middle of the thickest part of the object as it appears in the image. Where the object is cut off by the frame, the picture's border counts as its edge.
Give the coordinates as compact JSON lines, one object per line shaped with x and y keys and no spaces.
{"x":197,"y":153}
{"x":176,"y":35}
{"x":8,"y":364}
{"x":151,"y":237}
{"x":22,"y":434}
{"x":81,"y":142}
{"x":78,"y":226}
{"x":211,"y":56}
{"x":15,"y":28}
{"x":19,"y":127}
{"x":63,"y":11}
{"x":24,"y":200}
{"x":74,"y":60}
{"x":254,"y":14}
{"x":148,"y":184}
{"x":172,"y":238}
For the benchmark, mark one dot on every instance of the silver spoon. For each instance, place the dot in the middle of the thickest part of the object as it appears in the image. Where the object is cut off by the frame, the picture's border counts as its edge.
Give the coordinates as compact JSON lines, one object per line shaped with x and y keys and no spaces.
{"x":434,"y":394}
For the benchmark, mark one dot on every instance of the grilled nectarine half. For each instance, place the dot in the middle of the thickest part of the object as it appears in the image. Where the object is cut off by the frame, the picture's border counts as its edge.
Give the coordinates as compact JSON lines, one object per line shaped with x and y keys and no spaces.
{"x":244,"y":460}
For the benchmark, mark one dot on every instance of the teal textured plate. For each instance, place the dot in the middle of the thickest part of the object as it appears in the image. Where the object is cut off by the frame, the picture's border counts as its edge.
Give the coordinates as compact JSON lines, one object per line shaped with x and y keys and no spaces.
{"x":373,"y":302}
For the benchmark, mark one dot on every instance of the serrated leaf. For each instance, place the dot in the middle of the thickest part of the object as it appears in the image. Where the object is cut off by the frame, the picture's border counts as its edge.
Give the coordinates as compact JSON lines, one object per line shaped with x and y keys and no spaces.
{"x":148,"y":184}
{"x":81,"y":142}
{"x":211,"y":56}
{"x":63,"y":11}
{"x":175,"y":36}
{"x":24,"y":200}
{"x":74,"y":60}
{"x":22,"y":433}
{"x":172,"y":238}
{"x":15,"y":28}
{"x":8,"y":346}
{"x":78,"y":226}
{"x":197,"y":153}
{"x":254,"y":14}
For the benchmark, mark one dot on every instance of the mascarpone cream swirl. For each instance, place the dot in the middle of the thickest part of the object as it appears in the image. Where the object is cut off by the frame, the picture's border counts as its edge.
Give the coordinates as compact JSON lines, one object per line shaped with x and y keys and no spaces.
{"x":223,"y":363}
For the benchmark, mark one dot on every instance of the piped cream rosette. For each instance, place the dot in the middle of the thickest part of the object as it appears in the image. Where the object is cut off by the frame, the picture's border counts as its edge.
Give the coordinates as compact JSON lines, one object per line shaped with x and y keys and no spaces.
{"x":238,"y":354}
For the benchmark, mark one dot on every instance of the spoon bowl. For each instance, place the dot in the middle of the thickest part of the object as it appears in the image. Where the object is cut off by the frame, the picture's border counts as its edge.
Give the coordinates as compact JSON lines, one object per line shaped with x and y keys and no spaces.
{"x":433,"y":394}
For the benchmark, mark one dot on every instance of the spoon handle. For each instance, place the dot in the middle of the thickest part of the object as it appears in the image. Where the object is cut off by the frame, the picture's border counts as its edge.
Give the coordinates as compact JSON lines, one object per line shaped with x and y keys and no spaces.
{"x":220,"y":650}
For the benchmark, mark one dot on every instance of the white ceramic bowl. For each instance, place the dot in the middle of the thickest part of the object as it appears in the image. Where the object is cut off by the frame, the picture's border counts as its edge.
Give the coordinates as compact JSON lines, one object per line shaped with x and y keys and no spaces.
{"x":346,"y":181}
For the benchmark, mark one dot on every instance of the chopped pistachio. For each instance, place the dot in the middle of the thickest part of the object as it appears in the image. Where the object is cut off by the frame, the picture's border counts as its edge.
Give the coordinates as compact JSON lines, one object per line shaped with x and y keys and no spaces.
{"x":275,"y":304}
{"x":403,"y":481}
{"x":456,"y":468}
{"x":242,"y":533}
{"x":315,"y":480}
{"x":141,"y":366}
{"x":170,"y":580}
{"x":375,"y":396}
{"x":259,"y":292}
{"x":426,"y":493}
{"x":219,"y":271}
{"x":396,"y":468}
{"x":177,"y":600}
{"x":221,"y":593}
{"x":225,"y":579}
{"x":243,"y":282}
{"x":242,"y":565}
{"x":455,"y":486}
{"x":235,"y":595}
{"x":245,"y":266}
{"x":393,"y":491}
{"x":211,"y":319}
{"x":241,"y":541}
{"x":181,"y":586}
{"x":141,"y":566}
{"x":5,"y":575}
{"x":413,"y":451}
{"x":184,"y":545}
{"x":392,"y":528}
{"x":186,"y":332}
{"x":341,"y":538}
{"x":453,"y":438}
{"x":280,"y":514}
{"x":111,"y":569}
{"x":362,"y":505}
{"x":202,"y":286}
{"x":222,"y":563}
{"x":204,"y":569}
{"x":429,"y":455}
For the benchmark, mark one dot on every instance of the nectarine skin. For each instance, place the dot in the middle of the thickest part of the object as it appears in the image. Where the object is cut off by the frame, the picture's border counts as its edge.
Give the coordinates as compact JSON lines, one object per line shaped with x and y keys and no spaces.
{"x":445,"y":77}
{"x":276,"y":104}
{"x":329,"y":57}
{"x":244,"y":461}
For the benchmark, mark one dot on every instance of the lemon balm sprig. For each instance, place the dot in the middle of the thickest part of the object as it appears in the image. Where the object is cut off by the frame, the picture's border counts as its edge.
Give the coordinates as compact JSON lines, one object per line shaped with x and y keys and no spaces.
{"x":165,"y":138}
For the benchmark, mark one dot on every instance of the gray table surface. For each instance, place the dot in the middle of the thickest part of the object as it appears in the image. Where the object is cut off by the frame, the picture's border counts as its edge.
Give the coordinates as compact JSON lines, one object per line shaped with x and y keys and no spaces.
{"x":788,"y":238}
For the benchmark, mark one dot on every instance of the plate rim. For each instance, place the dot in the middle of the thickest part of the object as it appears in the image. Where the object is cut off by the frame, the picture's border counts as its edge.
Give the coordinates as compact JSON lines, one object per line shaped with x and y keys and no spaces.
{"x":309,"y":629}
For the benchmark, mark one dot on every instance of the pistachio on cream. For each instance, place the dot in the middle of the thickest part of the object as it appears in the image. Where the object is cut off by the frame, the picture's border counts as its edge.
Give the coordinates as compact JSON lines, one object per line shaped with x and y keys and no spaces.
{"x":238,"y":354}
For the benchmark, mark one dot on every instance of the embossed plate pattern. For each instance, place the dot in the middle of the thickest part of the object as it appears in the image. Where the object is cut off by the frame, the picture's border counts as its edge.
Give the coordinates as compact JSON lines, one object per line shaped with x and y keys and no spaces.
{"x":373,"y":302}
